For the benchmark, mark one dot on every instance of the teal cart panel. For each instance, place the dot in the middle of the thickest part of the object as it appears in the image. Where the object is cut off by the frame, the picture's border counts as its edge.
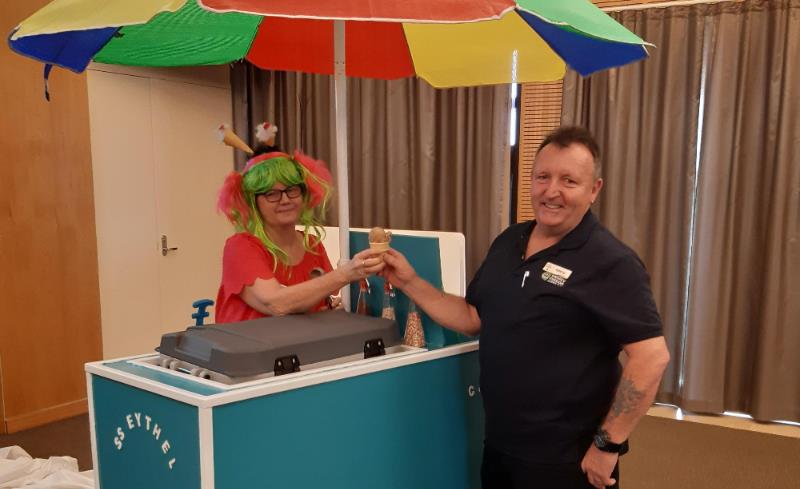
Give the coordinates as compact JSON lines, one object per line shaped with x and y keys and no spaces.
{"x":415,"y":426}
{"x":144,"y":440}
{"x":424,"y":254}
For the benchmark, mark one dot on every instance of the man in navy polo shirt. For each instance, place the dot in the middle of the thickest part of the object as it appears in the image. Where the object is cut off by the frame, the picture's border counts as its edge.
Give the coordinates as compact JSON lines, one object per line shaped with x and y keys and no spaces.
{"x":555,"y":301}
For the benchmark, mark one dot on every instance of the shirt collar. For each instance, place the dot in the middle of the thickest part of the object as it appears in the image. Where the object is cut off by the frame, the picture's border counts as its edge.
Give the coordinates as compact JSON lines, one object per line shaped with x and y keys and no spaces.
{"x":578,"y":236}
{"x":574,"y":239}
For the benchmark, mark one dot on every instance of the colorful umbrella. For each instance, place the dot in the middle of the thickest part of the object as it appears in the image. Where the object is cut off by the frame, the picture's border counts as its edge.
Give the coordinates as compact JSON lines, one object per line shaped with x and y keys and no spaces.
{"x":448,"y":43}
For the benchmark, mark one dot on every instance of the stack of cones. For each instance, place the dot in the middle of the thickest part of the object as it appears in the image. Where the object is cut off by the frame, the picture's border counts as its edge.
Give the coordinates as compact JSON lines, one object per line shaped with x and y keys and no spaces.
{"x":414,"y":335}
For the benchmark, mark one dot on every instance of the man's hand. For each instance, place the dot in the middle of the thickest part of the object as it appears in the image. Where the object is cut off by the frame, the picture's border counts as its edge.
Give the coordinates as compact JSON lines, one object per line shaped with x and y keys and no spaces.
{"x":598,"y":465}
{"x":398,"y":271}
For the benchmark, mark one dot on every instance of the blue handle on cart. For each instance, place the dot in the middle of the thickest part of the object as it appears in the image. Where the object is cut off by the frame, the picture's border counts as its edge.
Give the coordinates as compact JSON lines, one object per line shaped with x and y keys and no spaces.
{"x":201,"y":313}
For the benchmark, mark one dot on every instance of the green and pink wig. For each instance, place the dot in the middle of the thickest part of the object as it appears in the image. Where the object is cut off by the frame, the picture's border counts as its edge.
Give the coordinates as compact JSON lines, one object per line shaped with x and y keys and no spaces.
{"x":237,"y":197}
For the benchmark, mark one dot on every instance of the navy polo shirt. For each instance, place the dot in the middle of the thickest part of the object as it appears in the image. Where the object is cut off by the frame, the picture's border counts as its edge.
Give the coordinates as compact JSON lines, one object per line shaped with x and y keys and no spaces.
{"x":552,"y":327}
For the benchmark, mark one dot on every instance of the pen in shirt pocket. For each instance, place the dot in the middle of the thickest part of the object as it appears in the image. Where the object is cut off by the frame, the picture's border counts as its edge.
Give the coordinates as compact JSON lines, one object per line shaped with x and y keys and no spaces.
{"x":527,"y":272}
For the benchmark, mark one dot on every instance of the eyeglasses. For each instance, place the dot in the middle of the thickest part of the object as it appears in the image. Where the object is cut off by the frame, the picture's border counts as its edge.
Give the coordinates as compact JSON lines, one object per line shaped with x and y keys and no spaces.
{"x":276,"y":195}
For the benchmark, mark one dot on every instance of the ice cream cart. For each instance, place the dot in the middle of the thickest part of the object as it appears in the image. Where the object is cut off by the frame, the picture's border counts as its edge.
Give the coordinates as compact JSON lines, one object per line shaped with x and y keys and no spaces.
{"x":411,"y":418}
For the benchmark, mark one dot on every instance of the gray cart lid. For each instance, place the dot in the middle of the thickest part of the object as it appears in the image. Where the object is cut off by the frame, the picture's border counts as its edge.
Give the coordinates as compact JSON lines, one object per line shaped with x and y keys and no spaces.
{"x":253,"y":347}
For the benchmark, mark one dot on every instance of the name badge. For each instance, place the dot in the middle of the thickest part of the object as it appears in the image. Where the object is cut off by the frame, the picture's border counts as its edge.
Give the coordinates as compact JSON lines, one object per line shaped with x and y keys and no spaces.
{"x":555,"y":274}
{"x":557,"y":270}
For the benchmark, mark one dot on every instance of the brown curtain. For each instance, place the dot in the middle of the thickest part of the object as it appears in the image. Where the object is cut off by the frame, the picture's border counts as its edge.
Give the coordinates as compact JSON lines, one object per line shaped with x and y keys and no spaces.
{"x":734,"y":338}
{"x":419,"y":158}
{"x":743,"y":330}
{"x":645,"y":119}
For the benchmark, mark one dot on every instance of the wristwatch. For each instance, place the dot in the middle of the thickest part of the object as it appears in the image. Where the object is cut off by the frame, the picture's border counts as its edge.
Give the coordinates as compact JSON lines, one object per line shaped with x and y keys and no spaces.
{"x":604,"y":443}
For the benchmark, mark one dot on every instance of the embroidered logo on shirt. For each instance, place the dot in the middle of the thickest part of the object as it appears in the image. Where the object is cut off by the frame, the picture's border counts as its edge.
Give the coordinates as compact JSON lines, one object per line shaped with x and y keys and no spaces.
{"x":555,"y":274}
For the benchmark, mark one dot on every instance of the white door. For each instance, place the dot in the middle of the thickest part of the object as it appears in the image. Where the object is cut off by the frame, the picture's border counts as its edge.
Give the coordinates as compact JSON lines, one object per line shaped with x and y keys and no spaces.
{"x":191,"y":165}
{"x":157,"y":168}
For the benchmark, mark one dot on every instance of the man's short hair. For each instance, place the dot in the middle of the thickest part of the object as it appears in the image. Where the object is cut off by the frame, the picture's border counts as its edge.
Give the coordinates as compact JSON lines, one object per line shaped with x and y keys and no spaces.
{"x":565,"y":136}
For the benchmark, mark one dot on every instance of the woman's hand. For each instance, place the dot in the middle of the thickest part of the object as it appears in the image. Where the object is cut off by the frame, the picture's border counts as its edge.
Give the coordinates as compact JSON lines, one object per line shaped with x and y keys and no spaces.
{"x":363,"y":264}
{"x":398,"y":271}
{"x":336,"y":302}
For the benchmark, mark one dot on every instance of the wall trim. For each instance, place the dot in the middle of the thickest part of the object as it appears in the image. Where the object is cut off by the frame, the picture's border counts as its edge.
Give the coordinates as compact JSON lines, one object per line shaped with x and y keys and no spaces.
{"x":45,"y":416}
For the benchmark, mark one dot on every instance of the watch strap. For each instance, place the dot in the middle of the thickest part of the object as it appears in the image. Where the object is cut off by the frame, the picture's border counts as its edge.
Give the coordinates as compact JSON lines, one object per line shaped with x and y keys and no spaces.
{"x":603,"y":443}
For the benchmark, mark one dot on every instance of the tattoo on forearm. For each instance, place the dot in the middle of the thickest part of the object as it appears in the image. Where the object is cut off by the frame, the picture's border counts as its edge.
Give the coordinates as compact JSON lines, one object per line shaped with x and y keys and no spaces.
{"x":627,"y":398}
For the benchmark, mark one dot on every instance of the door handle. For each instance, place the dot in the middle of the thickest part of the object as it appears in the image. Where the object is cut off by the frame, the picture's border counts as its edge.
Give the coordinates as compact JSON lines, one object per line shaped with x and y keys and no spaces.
{"x":164,"y":248}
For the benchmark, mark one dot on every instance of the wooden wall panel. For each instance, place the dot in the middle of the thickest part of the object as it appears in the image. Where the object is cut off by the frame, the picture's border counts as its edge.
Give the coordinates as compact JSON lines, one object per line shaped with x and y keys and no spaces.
{"x":49,"y":296}
{"x":540,"y":113}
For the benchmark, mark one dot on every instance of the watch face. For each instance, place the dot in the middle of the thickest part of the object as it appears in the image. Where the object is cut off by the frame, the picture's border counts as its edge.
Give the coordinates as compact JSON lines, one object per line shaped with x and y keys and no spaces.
{"x":602,"y":442}
{"x":599,"y":441}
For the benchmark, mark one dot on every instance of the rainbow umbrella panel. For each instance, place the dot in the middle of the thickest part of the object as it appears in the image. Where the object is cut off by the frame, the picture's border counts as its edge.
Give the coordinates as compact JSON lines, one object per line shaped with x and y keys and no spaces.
{"x":446,"y":42}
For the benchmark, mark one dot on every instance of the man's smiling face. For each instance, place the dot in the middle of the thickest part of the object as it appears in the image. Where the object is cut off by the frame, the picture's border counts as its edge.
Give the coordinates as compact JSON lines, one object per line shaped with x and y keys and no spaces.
{"x":563,"y":187}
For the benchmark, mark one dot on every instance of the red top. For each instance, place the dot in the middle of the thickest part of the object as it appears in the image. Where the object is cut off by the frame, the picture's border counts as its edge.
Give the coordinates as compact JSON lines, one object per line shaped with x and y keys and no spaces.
{"x":244,"y":260}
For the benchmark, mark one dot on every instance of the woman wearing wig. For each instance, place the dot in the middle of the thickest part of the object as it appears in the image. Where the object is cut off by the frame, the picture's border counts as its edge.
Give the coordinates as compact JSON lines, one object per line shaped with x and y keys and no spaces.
{"x":268,"y":267}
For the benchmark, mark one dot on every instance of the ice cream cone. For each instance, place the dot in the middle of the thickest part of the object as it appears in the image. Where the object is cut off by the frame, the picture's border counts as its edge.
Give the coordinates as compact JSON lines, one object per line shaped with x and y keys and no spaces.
{"x":265,"y":133}
{"x":379,"y":239}
{"x":231,"y":139}
{"x":380,"y":247}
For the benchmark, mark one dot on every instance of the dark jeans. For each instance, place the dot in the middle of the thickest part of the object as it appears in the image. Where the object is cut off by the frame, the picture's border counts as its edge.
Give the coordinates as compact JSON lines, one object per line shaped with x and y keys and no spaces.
{"x":501,"y":471}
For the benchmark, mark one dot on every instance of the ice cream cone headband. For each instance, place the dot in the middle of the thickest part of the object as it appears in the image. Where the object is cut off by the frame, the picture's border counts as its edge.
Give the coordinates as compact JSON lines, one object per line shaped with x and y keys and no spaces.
{"x":230,"y":138}
{"x":265,"y":134}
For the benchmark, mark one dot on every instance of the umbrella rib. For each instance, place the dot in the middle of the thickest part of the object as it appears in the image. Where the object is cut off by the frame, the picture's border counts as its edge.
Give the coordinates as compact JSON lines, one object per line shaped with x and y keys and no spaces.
{"x":359,"y":19}
{"x":567,"y":24}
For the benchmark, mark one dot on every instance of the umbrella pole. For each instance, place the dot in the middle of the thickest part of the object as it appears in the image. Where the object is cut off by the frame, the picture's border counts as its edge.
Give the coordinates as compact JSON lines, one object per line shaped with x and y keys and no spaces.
{"x":340,"y":104}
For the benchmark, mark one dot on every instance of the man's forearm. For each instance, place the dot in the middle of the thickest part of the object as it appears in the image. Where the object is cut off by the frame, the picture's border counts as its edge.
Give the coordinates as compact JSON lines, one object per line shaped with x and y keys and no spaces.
{"x":634,"y":396}
{"x":451,"y":311}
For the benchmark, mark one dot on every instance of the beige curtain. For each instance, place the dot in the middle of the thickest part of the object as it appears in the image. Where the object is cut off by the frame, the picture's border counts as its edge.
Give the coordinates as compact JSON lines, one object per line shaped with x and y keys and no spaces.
{"x":419,"y":158}
{"x":645,"y":119}
{"x":734,"y":338}
{"x":743,"y":331}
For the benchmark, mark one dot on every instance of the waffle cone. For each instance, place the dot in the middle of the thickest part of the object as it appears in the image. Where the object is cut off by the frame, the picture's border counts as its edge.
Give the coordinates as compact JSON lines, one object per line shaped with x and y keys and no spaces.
{"x":381,"y":247}
{"x":231,"y":139}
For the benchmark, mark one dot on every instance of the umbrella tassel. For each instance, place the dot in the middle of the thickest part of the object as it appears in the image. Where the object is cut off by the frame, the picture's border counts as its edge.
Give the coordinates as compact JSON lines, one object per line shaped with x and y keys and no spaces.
{"x":47,"y":69}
